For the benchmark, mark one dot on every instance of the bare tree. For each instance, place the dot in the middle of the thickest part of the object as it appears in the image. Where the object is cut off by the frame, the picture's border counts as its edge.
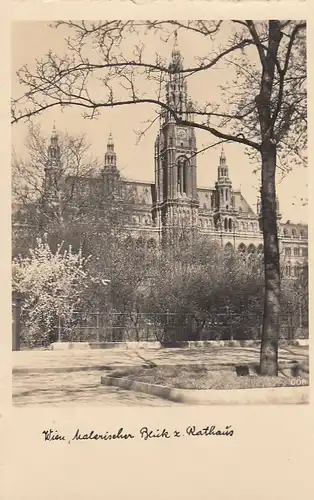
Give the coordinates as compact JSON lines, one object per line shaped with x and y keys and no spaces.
{"x":58,"y":190}
{"x":261,"y":106}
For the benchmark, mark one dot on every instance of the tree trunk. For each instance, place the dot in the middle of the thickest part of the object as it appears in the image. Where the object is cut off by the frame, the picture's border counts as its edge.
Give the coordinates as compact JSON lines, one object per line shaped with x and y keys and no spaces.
{"x":271,"y":319}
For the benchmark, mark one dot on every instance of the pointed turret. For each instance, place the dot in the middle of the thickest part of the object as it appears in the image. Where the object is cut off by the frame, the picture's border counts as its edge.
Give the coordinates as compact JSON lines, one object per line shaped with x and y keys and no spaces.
{"x":176,"y":88}
{"x":111,"y":173}
{"x":224,"y":199}
{"x":223,"y":170}
{"x":110,"y":155}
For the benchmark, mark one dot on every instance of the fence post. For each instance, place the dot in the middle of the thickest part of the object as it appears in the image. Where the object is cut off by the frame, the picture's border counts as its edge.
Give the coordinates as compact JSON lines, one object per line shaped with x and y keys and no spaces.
{"x":59,"y":328}
{"x":97,"y":326}
{"x":16,"y":321}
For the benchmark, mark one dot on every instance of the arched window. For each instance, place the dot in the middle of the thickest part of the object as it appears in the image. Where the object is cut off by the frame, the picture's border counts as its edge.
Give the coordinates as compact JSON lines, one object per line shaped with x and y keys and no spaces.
{"x":301,"y":233}
{"x":294,"y":233}
{"x":151,"y":244}
{"x":228,"y":250}
{"x":226,"y":224}
{"x":260,"y":254}
{"x":182,"y":175}
{"x":251,"y":249}
{"x":285,"y":232}
{"x":242,"y":248}
{"x":230,"y":224}
{"x":165,"y":181}
{"x":212,"y":201}
{"x":129,"y":242}
{"x":135,"y":219}
{"x":140,"y":243}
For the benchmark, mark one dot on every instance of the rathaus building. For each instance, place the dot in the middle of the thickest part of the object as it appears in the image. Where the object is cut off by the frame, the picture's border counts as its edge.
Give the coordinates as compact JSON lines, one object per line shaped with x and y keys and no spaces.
{"x":174,"y":200}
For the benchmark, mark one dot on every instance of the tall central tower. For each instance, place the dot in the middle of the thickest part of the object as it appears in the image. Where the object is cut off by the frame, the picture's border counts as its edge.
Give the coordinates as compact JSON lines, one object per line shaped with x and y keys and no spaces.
{"x":176,"y":204}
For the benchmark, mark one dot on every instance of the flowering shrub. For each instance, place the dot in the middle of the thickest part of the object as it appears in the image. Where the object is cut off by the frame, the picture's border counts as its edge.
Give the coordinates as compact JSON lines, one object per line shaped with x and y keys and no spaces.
{"x":51,"y":286}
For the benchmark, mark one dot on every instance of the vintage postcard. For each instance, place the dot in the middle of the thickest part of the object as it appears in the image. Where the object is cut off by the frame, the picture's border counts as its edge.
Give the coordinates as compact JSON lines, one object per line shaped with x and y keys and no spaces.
{"x":159,"y":242}
{"x":159,"y":251}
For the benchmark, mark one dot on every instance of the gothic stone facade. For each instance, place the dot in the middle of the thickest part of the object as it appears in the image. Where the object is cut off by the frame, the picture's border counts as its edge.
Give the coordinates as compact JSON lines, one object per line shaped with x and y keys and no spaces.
{"x":174,"y":200}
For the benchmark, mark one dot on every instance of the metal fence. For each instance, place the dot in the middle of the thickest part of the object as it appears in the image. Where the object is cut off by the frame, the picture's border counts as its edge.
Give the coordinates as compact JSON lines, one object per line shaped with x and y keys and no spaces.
{"x":172,"y":327}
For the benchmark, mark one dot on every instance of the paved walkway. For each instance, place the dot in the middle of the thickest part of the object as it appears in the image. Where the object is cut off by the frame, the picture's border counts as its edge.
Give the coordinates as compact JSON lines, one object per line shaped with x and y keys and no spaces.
{"x":102,"y":359}
{"x":72,"y":378}
{"x":75,"y":389}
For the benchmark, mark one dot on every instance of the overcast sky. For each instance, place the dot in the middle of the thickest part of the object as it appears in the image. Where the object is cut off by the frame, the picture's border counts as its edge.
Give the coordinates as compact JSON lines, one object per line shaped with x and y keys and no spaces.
{"x":32,"y":40}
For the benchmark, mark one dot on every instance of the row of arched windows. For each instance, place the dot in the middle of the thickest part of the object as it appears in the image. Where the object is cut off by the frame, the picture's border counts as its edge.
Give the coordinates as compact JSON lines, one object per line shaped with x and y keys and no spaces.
{"x":206,"y":223}
{"x":249,"y":226}
{"x":252,"y":249}
{"x":251,"y":255}
{"x":228,"y":225}
{"x":141,"y":243}
{"x":294,"y":233}
{"x":144,"y":220}
{"x":297,"y":252}
{"x":292,"y":271}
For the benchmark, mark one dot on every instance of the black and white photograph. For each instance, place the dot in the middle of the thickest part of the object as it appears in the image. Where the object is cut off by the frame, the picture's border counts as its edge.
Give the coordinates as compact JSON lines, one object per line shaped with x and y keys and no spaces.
{"x":159,"y":195}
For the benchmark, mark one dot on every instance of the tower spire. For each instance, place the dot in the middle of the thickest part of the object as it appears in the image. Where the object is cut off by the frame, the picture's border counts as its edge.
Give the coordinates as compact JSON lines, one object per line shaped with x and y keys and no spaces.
{"x":175,"y":49}
{"x":222,"y":156}
{"x":53,"y":148}
{"x":176,"y":58}
{"x":110,"y":143}
{"x":54,"y":135}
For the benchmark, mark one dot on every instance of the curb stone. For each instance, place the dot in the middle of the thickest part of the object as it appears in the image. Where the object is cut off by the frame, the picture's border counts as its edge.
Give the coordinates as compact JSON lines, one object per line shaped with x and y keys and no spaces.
{"x":278,"y":395}
{"x":62,"y":346}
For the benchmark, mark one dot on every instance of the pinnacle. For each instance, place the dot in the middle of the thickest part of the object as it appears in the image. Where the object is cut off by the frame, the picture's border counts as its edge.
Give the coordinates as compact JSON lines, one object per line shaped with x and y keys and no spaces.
{"x":54,"y":134}
{"x":110,"y":139}
{"x":222,"y":155}
{"x":175,"y":50}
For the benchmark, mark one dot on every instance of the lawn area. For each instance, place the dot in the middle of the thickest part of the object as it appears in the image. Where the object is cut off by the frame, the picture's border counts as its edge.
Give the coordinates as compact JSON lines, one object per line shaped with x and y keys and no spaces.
{"x":202,"y":377}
